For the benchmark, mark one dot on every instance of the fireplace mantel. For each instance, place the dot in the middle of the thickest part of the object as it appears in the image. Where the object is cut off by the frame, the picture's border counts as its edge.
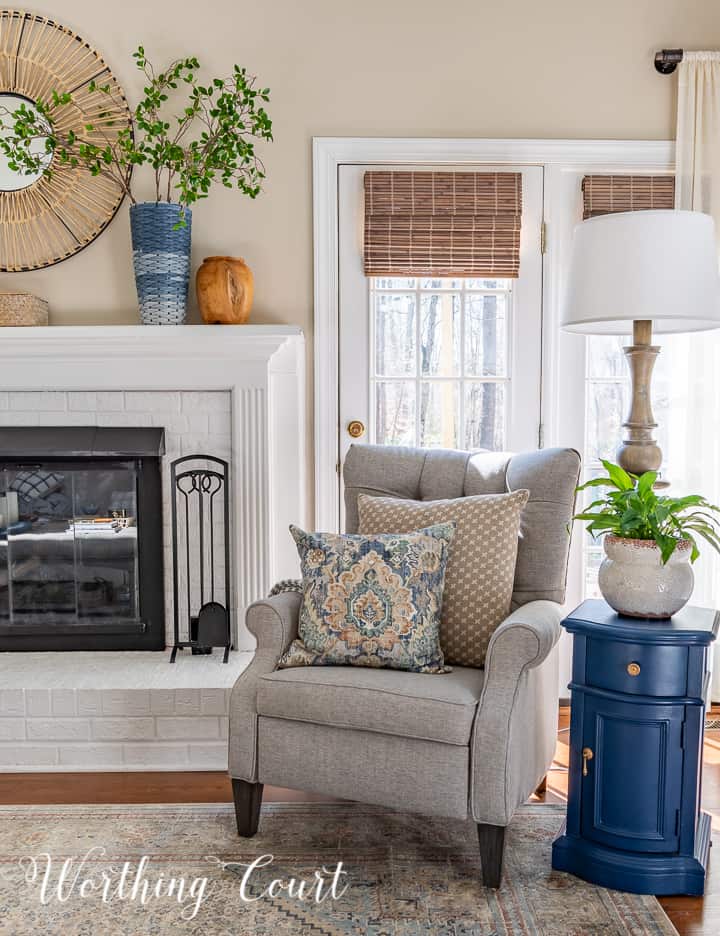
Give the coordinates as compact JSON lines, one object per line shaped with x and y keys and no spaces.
{"x":263,"y":367}
{"x":202,"y":344}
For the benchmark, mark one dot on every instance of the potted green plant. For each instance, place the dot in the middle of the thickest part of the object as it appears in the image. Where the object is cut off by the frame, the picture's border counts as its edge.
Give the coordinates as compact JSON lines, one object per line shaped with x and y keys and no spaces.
{"x":650,"y":542}
{"x":190,"y":134}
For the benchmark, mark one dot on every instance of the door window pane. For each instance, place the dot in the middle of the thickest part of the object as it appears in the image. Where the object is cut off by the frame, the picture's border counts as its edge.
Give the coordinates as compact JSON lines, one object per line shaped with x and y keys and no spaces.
{"x":440,"y":334}
{"x":484,"y":415}
{"x":395,"y":334}
{"x":485,"y":284}
{"x":394,"y":282}
{"x":441,"y":283}
{"x":439,"y":414}
{"x":485,"y":335}
{"x":395,"y":412}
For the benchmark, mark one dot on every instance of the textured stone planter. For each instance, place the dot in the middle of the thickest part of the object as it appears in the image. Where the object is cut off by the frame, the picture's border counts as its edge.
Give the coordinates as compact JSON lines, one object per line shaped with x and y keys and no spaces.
{"x":634,"y":581}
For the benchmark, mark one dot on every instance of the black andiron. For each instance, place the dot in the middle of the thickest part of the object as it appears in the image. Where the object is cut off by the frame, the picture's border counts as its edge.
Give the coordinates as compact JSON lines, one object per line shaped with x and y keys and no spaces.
{"x":200,"y":536}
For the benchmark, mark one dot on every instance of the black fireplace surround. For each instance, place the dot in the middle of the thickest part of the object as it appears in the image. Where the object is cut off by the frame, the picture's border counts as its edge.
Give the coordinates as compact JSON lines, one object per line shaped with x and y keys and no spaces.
{"x":81,"y":554}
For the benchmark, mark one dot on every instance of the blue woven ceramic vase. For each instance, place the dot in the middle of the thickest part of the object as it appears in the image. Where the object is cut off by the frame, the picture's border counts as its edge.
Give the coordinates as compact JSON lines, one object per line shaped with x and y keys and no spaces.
{"x":161,"y":255}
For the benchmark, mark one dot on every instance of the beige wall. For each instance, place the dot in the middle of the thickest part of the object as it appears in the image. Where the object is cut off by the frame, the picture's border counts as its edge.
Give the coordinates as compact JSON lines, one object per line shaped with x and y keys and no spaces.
{"x":474,"y":68}
{"x":563,"y":68}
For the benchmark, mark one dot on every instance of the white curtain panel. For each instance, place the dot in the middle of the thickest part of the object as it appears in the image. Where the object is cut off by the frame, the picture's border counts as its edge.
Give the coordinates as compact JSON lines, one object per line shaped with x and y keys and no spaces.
{"x":694,"y":360}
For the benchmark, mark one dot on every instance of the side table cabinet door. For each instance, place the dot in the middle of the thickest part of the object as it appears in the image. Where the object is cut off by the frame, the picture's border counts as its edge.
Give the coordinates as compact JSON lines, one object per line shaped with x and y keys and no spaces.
{"x":632,"y":787}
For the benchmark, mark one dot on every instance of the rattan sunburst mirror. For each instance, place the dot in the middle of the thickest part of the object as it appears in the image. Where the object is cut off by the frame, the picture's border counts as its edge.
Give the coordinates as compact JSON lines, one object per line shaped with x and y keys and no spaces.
{"x":46,"y":218}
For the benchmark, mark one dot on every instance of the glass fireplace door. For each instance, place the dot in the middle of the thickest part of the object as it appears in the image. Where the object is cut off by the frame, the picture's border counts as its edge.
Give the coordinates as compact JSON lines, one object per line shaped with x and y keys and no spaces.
{"x":69,"y":560}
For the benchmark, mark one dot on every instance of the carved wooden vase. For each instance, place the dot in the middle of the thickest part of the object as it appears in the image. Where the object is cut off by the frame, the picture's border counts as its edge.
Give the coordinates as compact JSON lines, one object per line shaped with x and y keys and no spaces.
{"x":224,"y":290}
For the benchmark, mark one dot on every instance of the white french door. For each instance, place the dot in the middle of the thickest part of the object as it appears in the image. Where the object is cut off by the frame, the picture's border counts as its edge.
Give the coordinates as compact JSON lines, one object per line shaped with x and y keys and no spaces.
{"x":454,"y":363}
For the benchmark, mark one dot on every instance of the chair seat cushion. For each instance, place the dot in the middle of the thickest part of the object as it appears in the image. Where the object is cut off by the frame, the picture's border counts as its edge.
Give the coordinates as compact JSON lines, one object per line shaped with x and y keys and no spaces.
{"x":411,"y":705}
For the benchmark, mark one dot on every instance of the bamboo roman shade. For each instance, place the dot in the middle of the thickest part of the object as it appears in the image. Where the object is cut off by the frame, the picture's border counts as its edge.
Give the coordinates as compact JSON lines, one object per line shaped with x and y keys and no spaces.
{"x":442,"y":223}
{"x":607,"y":194}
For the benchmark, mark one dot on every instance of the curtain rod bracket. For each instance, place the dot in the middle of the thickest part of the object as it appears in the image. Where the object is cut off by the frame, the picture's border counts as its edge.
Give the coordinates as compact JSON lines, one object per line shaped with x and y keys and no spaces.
{"x":667,"y":60}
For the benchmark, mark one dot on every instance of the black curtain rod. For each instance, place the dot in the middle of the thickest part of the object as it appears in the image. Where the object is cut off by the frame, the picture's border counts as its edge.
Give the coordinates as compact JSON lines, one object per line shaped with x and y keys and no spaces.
{"x":667,"y":60}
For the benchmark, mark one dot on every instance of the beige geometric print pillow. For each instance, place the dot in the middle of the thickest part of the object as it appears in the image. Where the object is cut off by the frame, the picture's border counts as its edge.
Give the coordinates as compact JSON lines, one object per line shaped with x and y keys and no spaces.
{"x":481,"y":567}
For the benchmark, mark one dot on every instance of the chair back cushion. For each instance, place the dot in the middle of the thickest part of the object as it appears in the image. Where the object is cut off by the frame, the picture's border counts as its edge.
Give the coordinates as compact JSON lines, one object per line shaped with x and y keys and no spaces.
{"x":481,"y":566}
{"x":550,"y":475}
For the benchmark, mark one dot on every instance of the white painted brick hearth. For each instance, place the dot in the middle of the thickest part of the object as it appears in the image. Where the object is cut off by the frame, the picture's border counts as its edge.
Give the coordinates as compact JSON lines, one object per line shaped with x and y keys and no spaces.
{"x":160,"y":717}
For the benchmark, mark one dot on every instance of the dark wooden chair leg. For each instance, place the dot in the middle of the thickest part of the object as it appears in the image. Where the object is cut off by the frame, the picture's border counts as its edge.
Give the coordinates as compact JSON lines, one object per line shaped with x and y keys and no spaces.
{"x":542,"y":786}
{"x":492,"y":840}
{"x":248,"y":800}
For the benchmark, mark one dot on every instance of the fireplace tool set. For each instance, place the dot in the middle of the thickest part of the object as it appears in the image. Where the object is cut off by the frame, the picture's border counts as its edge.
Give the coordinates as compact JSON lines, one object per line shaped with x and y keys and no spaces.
{"x":201,"y":554}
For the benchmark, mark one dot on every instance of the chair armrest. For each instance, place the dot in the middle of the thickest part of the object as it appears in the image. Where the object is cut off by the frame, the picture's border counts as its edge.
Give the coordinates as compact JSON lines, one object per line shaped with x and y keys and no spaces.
{"x":523,"y":640}
{"x":516,"y":723}
{"x":274,"y":624}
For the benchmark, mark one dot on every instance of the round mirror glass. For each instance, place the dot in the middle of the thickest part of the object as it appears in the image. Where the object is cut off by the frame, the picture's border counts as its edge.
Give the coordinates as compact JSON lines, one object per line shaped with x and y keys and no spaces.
{"x":12,"y":180}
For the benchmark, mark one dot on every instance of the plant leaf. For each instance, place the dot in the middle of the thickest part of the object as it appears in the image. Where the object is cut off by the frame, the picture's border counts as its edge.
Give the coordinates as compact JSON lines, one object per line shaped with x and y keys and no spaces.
{"x":619,"y":476}
{"x":646,"y":482}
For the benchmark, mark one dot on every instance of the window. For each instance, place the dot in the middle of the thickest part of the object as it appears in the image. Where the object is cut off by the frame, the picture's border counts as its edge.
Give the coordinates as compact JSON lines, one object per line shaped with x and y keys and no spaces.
{"x":439,"y":371}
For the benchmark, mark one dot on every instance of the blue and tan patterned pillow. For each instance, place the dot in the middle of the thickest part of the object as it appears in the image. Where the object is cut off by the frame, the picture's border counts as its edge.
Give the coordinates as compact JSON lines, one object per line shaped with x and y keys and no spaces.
{"x":371,"y":600}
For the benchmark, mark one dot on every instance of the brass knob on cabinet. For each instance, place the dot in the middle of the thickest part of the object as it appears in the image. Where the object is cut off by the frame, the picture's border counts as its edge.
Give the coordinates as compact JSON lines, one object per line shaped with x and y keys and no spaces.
{"x":587,"y":755}
{"x":356,"y":429}
{"x":633,"y":669}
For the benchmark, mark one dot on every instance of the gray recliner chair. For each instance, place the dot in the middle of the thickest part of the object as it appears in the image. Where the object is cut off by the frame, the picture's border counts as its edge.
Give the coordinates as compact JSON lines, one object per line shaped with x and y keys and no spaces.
{"x":474,"y":743}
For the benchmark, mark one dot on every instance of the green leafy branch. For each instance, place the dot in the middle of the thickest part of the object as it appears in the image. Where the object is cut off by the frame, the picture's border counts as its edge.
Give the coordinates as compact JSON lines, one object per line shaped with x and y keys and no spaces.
{"x":632,"y":510}
{"x":35,"y":137}
{"x":210,"y":138}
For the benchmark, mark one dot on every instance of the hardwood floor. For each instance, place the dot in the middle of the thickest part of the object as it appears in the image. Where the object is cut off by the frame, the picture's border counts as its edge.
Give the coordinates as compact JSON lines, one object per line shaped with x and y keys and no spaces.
{"x":691,"y":916}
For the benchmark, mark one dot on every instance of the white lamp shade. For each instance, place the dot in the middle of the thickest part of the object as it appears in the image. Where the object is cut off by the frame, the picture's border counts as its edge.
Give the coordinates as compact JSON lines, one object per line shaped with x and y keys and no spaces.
{"x":658,"y":265}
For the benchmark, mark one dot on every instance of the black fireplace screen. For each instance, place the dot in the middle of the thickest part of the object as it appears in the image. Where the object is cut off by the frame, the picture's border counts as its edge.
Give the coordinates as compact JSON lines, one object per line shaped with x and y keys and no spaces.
{"x":81,"y":554}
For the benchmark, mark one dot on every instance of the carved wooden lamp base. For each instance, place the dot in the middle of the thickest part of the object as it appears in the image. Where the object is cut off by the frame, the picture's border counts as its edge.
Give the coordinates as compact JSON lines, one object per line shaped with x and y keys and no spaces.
{"x":639,"y":452}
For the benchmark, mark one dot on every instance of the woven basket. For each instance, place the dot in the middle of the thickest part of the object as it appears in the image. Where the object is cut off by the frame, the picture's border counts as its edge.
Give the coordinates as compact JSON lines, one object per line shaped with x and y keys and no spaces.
{"x":161,"y":255}
{"x":22,"y":309}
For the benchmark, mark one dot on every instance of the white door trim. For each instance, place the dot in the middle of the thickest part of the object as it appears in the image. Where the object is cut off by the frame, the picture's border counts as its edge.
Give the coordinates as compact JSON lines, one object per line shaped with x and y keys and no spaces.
{"x":331,"y":152}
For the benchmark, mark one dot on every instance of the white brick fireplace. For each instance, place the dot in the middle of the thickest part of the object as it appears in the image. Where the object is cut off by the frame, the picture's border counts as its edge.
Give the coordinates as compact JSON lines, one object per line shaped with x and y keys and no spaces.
{"x":234,"y":392}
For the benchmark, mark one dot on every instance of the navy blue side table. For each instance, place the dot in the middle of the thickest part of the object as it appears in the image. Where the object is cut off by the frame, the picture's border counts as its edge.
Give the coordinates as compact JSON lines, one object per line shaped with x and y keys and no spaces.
{"x":638,"y":691}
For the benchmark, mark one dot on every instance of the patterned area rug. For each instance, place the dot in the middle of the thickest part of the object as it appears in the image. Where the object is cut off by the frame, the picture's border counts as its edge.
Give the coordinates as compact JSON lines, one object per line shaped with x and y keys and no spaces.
{"x":401,"y":875}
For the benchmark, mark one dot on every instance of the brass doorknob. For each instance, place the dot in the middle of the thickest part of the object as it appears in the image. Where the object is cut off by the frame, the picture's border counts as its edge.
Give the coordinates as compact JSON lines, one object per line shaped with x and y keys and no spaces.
{"x":355,"y":428}
{"x":633,"y":669}
{"x":587,"y":755}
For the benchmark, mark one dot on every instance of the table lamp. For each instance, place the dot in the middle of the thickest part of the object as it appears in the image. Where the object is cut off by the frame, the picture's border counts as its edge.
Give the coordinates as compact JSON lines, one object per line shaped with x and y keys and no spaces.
{"x":652,"y":269}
